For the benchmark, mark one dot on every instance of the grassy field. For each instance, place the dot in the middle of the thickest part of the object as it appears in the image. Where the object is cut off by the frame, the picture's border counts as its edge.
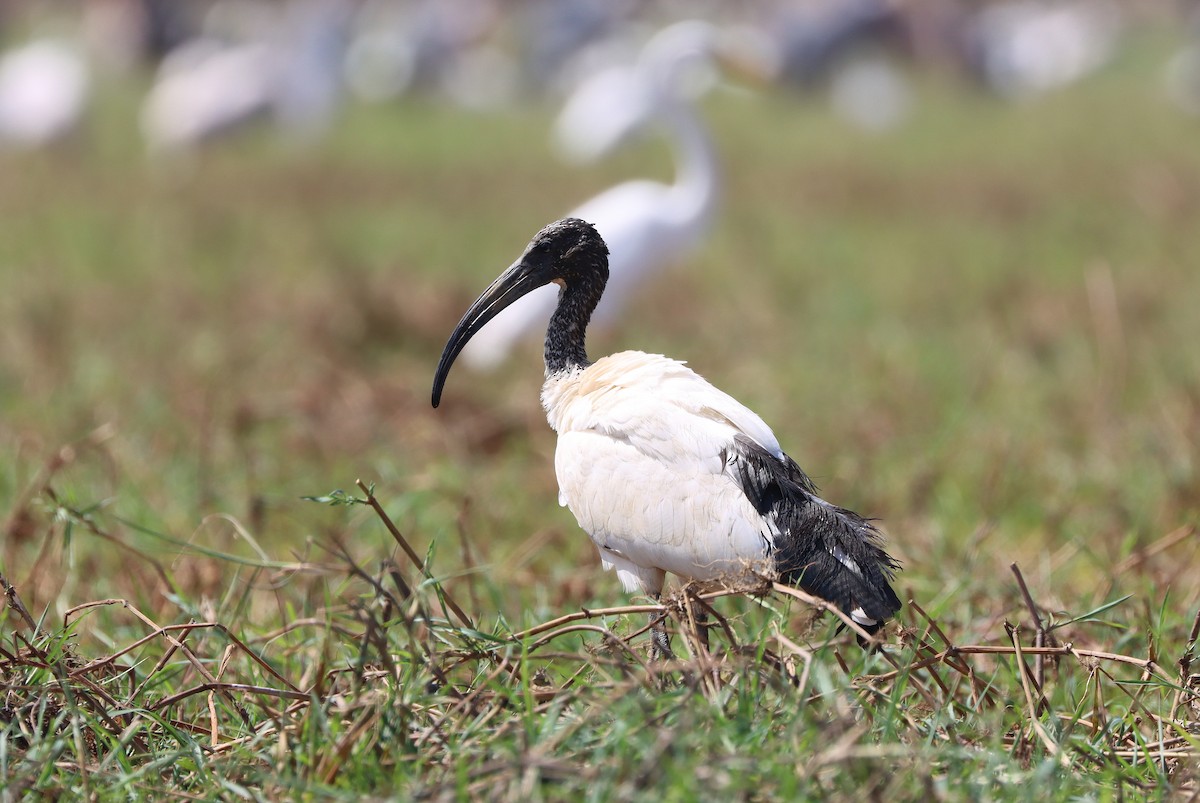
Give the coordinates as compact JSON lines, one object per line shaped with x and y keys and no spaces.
{"x":981,"y":329}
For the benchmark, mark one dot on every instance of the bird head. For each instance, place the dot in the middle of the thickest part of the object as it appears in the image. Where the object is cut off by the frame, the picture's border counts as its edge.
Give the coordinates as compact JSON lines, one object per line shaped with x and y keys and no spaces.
{"x":568,"y":252}
{"x":619,"y":103}
{"x":679,"y":58}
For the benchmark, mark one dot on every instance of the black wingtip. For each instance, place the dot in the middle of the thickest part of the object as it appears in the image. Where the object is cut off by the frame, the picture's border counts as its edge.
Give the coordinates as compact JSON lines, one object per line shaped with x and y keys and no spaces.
{"x":828,"y":551}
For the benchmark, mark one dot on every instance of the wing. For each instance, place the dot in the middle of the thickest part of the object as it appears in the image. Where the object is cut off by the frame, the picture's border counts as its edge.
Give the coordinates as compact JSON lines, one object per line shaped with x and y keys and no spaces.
{"x":828,"y":551}
{"x":661,"y":403}
{"x":641,"y":463}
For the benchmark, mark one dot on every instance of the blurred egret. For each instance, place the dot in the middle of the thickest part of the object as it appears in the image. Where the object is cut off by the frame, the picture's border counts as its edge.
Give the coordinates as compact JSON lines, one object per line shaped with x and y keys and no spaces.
{"x":646,"y":224}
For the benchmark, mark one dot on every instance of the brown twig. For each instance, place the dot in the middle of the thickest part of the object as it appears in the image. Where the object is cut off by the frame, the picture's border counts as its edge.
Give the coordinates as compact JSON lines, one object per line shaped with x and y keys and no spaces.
{"x":91,"y":526}
{"x":1035,"y":709}
{"x":587,"y":613}
{"x":226,"y":688}
{"x":1185,"y":667}
{"x":14,"y":602}
{"x":954,"y":661}
{"x":470,"y":563}
{"x":608,"y":635}
{"x":1040,"y":632}
{"x":993,"y":649}
{"x":412,"y":555}
{"x":823,"y":605}
{"x":805,"y":655}
{"x":1164,"y":543}
{"x":166,"y":631}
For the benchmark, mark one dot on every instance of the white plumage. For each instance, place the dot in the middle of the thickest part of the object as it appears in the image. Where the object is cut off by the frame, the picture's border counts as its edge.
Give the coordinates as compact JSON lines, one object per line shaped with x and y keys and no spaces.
{"x":666,"y":473}
{"x":649,"y":422}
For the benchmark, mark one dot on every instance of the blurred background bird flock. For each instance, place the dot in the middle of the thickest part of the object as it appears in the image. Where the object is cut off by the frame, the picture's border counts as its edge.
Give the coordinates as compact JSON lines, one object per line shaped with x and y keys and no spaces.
{"x":209,"y":69}
{"x":948,"y":250}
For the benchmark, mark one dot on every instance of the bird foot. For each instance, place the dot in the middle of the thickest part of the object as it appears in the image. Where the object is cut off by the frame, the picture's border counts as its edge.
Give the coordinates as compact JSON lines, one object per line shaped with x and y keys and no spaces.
{"x":660,"y":640}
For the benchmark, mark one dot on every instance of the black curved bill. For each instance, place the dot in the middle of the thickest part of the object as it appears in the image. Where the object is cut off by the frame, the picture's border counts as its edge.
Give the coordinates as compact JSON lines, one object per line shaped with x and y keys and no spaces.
{"x":519,"y":280}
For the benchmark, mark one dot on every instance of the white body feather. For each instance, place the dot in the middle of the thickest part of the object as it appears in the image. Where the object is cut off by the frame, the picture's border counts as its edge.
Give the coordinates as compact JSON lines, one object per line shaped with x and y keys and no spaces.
{"x":657,"y":432}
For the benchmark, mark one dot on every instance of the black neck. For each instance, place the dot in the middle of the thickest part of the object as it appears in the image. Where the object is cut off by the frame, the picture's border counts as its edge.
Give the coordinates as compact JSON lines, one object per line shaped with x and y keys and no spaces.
{"x":568,"y":326}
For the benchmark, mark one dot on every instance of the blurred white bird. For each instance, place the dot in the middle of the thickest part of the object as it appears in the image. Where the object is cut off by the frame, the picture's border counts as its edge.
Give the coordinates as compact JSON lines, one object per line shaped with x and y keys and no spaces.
{"x":208,"y":86}
{"x":205,"y":88}
{"x":852,"y":49}
{"x":870,"y":92}
{"x":445,"y":48}
{"x":43,"y":92}
{"x":1024,"y":48}
{"x":646,"y":224}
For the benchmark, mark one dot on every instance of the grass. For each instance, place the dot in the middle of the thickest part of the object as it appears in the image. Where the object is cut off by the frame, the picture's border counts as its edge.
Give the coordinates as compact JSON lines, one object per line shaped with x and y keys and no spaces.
{"x":980,"y":328}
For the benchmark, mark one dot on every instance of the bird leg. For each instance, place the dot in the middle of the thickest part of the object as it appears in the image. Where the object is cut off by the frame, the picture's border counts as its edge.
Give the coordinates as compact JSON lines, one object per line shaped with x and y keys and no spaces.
{"x":700,"y":620}
{"x":660,"y":640}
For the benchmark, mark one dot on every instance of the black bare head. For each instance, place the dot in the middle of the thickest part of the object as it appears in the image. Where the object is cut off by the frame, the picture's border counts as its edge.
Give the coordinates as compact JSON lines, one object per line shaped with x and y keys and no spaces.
{"x":569,"y":253}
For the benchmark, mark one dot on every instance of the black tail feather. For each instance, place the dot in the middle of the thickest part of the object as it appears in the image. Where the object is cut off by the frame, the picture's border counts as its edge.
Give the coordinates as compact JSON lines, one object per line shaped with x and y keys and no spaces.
{"x":828,"y":551}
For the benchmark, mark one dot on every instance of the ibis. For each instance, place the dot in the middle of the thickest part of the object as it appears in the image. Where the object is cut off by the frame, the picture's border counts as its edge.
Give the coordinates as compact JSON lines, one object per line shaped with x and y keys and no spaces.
{"x":666,"y":473}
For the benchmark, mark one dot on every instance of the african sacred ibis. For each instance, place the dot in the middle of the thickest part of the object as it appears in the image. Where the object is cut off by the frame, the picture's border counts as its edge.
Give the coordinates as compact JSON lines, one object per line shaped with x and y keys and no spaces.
{"x":665,"y":472}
